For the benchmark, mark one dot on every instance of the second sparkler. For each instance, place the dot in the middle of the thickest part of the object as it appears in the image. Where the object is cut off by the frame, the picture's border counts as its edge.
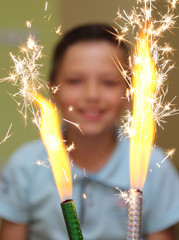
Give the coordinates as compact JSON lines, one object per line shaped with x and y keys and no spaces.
{"x":59,"y":162}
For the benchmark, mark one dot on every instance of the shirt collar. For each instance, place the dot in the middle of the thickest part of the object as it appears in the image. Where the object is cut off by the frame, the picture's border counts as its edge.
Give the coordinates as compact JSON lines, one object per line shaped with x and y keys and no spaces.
{"x":116,"y":171}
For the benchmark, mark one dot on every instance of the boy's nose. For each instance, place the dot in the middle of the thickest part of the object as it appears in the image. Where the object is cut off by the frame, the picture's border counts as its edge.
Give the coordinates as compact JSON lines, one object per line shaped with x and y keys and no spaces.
{"x":91,"y":91}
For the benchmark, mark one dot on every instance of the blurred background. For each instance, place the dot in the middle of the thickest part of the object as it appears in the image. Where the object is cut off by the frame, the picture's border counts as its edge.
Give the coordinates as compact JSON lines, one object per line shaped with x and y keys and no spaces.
{"x":68,"y":13}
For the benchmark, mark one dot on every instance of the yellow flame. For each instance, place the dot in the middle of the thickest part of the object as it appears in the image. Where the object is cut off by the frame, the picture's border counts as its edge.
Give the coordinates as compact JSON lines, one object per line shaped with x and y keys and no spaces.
{"x":52,"y":138}
{"x":143,"y":127}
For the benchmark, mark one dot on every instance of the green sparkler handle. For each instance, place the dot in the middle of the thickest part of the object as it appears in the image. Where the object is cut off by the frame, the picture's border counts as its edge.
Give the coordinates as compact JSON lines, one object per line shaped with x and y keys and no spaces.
{"x":71,"y":220}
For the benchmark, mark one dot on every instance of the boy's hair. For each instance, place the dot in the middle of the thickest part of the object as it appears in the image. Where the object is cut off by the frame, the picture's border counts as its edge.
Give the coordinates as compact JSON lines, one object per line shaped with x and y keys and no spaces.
{"x":91,"y":32}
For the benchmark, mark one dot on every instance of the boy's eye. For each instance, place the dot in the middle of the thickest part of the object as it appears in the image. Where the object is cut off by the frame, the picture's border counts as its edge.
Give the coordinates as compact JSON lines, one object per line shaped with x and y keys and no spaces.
{"x":73,"y":81}
{"x":110,"y":83}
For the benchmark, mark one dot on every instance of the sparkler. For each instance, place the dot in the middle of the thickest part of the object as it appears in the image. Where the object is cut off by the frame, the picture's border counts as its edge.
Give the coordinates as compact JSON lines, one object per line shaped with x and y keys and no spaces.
{"x":143,"y":128}
{"x":146,"y":16}
{"x":26,"y":76}
{"x":60,"y":164}
{"x":148,"y":106}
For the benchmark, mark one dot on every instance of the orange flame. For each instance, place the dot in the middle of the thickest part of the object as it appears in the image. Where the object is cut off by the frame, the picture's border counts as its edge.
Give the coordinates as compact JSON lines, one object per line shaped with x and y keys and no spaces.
{"x":52,"y":138}
{"x":143,"y":127}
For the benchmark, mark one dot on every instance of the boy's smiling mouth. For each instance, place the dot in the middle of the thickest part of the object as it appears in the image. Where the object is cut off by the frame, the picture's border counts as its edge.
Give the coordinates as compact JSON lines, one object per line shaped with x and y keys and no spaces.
{"x":91,"y":114}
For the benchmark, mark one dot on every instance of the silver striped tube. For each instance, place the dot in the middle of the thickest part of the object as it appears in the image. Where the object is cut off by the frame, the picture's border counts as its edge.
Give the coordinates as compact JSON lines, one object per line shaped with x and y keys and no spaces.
{"x":134,"y":214}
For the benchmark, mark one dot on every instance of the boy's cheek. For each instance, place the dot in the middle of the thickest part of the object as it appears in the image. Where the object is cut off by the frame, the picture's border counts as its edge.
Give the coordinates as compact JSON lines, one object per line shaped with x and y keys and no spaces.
{"x":64,"y":100}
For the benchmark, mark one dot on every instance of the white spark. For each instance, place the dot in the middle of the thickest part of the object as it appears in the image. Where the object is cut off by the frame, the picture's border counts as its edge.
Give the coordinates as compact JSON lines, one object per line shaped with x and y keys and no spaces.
{"x":58,"y":30}
{"x":28,"y":24}
{"x":158,"y":165}
{"x":75,"y":124}
{"x":70,"y":108}
{"x":55,"y":89}
{"x":65,"y":174}
{"x":71,"y":147}
{"x":41,"y":163}
{"x":46,"y":6}
{"x":169,"y":153}
{"x":84,"y":170}
{"x":123,"y":194}
{"x":7,"y":134}
{"x":84,"y":196}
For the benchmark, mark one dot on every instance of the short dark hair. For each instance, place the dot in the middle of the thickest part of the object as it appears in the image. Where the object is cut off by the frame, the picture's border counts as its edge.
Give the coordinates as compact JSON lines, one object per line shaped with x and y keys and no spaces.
{"x":91,"y":32}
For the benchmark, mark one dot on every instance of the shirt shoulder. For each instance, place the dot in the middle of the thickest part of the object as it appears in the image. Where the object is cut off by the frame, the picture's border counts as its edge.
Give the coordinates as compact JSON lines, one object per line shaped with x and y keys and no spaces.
{"x":26,"y":155}
{"x":161,"y":195}
{"x":16,"y":179}
{"x":29,"y":150}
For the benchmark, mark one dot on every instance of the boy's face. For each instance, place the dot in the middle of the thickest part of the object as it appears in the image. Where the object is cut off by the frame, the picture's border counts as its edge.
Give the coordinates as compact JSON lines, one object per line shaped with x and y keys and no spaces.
{"x":91,"y":87}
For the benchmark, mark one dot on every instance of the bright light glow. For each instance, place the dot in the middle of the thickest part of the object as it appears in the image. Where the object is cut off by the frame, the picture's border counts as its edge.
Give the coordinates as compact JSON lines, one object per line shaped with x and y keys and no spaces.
{"x":52,"y":138}
{"x":142,"y":126}
{"x":26,"y":75}
{"x":156,"y":22}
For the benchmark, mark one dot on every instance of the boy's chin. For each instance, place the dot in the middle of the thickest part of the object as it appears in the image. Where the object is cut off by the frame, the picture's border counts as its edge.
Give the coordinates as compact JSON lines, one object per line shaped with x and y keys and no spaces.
{"x":91,"y":130}
{"x":94,"y":131}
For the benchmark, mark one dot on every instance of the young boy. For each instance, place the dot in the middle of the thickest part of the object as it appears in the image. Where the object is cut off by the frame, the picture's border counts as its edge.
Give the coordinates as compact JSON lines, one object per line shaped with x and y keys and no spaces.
{"x":91,"y":93}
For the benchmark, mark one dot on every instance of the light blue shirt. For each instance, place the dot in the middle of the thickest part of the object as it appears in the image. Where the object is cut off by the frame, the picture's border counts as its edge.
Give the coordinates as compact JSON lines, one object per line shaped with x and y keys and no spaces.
{"x":28,"y":195}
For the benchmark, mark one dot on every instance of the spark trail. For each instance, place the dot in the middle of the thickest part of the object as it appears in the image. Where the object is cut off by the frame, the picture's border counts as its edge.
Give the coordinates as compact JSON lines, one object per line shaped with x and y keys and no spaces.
{"x":146,"y":17}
